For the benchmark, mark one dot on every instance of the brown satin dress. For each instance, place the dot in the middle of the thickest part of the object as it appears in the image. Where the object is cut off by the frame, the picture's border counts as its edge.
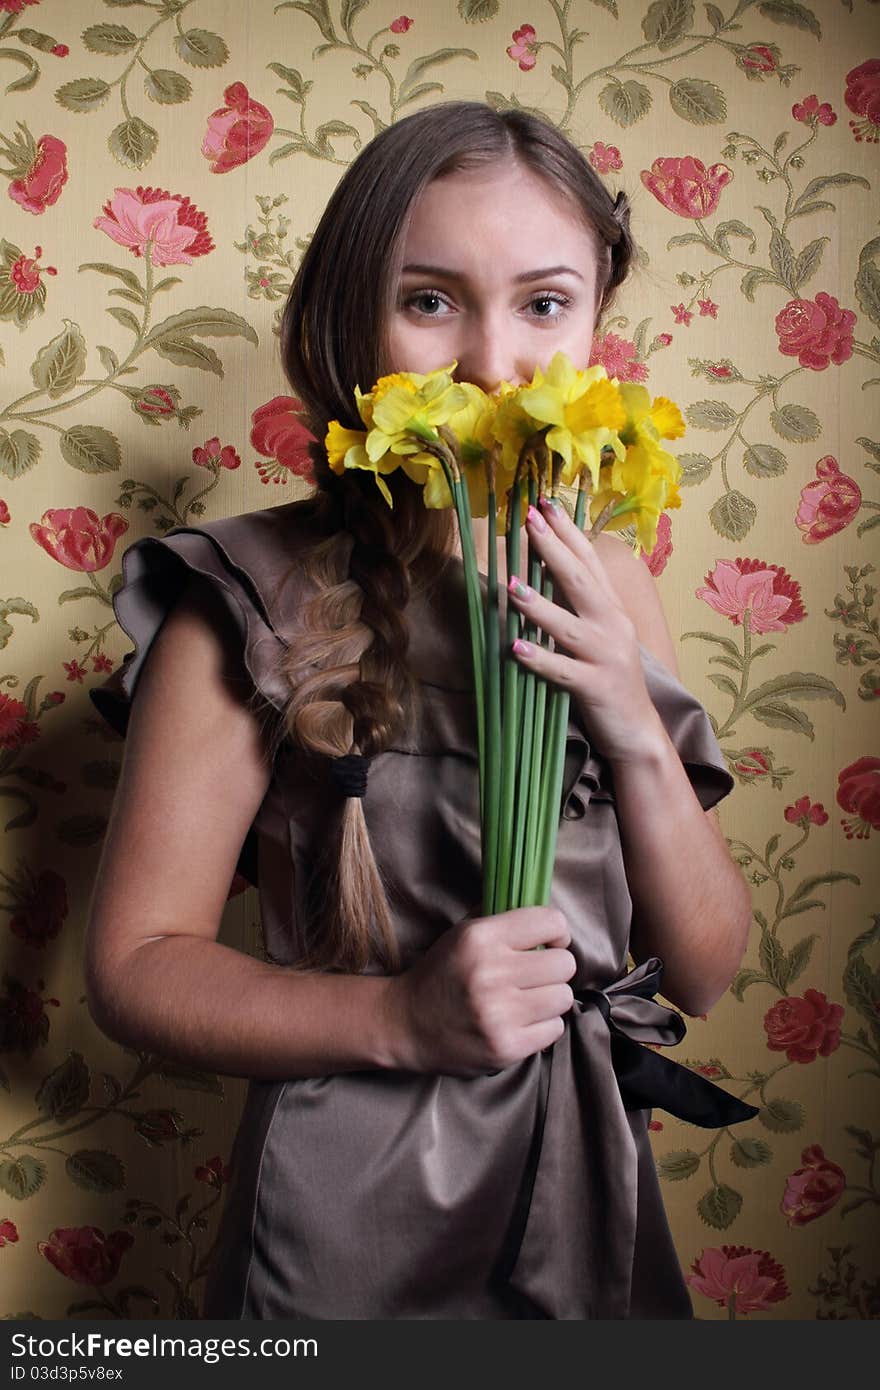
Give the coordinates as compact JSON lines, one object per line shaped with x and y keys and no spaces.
{"x":527,"y":1193}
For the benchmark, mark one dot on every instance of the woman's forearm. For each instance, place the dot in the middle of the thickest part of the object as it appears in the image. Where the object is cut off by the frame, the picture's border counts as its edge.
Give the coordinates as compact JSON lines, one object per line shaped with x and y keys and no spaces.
{"x":691,"y":904}
{"x":221,"y":1010}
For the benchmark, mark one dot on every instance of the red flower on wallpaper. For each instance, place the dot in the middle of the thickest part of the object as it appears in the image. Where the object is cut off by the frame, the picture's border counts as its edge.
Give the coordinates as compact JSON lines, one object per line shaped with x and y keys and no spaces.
{"x":279,"y":433}
{"x":13,"y":721}
{"x":401,"y":25}
{"x":618,"y":356}
{"x":604,"y":157}
{"x":524,"y":50}
{"x":862,"y":96}
{"x":758,"y":58}
{"x":828,"y":503}
{"x":656,"y":559}
{"x":753,"y":764}
{"x":770,"y":595}
{"x":77,"y":537}
{"x":8,"y":1229}
{"x":812,"y":1189}
{"x":858,"y":791}
{"x":16,"y":6}
{"x":41,"y":907}
{"x":39,"y":170}
{"x":85,"y":1254}
{"x":5,"y":515}
{"x":815,"y":331}
{"x":24,"y":1023}
{"x":811,"y":112}
{"x":237,"y":131}
{"x":212,"y":455}
{"x":176,"y":229}
{"x":215,"y":1173}
{"x":750,"y":1281}
{"x":159,"y":1127}
{"x":804,"y":1028}
{"x":685,"y":186}
{"x":810,"y":812}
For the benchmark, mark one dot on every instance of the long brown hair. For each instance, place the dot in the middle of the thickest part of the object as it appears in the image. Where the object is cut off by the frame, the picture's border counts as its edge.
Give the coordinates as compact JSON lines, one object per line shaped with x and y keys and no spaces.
{"x":352,"y":690}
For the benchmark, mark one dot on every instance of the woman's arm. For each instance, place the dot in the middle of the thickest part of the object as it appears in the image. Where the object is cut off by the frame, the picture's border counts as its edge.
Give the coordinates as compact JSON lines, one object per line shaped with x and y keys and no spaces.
{"x":194,"y":774}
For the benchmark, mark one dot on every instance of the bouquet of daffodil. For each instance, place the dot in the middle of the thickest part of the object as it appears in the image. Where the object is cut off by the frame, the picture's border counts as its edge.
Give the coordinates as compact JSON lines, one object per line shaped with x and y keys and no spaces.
{"x":493,"y":456}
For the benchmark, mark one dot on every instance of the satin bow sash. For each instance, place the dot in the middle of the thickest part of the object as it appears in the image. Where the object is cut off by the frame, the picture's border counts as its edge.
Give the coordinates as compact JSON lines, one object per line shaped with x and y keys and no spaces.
{"x":578,"y":1206}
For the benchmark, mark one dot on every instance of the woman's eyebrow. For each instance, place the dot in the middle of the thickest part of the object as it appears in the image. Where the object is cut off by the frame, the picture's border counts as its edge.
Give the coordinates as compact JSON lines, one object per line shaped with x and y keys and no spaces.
{"x":527,"y":276}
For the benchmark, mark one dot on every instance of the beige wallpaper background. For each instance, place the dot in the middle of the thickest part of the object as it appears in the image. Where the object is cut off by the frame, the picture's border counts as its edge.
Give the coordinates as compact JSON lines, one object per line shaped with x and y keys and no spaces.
{"x":136,"y":395}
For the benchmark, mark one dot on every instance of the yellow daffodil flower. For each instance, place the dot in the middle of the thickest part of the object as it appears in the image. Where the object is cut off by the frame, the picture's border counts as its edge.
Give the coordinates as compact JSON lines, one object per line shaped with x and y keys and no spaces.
{"x":584,"y":412}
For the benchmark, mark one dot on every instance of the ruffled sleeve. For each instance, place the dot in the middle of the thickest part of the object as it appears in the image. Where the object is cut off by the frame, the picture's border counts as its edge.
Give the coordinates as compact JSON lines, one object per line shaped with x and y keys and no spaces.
{"x":155,"y":571}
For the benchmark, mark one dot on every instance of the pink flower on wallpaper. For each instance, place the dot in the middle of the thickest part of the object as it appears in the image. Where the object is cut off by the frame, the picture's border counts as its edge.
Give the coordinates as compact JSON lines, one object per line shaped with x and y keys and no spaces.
{"x":213,"y":456}
{"x":815,"y":331}
{"x":749,"y":1280}
{"x":760,"y":58}
{"x":279,"y":434}
{"x":77,"y":537}
{"x":770,"y":596}
{"x":75,"y":672}
{"x":40,"y":907}
{"x":685,"y":186}
{"x":24,"y":272}
{"x":682,"y":315}
{"x":812,"y":1189}
{"x":8,"y":1229}
{"x":804,"y":1028}
{"x":12,"y":715}
{"x":828,"y":503}
{"x":215,"y":1173}
{"x":85,"y":1254}
{"x":708,"y":307}
{"x":175,"y":227}
{"x":753,"y":764}
{"x":236,"y":131}
{"x":401,"y":25}
{"x":858,"y":791}
{"x":524,"y":50}
{"x":5,"y":516}
{"x":810,"y":112}
{"x":40,"y":185}
{"x":618,"y":357}
{"x":810,"y":812}
{"x":656,"y":559}
{"x":16,"y":6}
{"x":863,"y":97}
{"x":604,"y":158}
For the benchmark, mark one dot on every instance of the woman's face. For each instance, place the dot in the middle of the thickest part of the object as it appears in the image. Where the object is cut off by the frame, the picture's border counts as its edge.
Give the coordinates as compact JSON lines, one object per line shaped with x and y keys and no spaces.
{"x":499,"y":273}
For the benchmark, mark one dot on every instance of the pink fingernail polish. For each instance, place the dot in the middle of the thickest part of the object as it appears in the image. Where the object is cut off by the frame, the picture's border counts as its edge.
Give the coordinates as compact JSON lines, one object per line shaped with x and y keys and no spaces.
{"x":535,"y":517}
{"x":522,"y":648}
{"x":516,"y":586}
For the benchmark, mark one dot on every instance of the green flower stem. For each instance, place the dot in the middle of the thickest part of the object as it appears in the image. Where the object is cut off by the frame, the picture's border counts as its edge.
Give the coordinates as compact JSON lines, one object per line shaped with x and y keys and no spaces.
{"x":510,"y":712}
{"x":530,"y":735}
{"x":491,"y":788}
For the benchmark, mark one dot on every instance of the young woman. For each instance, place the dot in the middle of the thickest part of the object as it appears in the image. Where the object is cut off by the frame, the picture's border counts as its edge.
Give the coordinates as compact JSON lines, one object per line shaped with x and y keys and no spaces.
{"x":441,"y":1122}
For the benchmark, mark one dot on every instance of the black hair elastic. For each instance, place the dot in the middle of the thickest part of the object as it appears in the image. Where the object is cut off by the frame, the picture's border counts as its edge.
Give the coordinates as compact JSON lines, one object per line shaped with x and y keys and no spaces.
{"x":349,"y":772}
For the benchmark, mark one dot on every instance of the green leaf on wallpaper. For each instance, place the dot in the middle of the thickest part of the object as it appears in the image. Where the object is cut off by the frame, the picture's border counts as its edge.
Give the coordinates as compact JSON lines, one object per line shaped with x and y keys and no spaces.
{"x":185,"y":351}
{"x":771,"y":954}
{"x":133,"y":143}
{"x":203,"y":323}
{"x":720,"y":1206}
{"x":750,"y":1153}
{"x":318,"y":10}
{"x":201,"y":49}
{"x":167,"y":87}
{"x":764,"y":461}
{"x":743,"y":978}
{"x":814,"y":881}
{"x":83,"y":94}
{"x":189,"y":1078}
{"x":867,"y":281}
{"x":323,"y":133}
{"x":753,"y":278}
{"x":779,"y":715}
{"x":97,"y":1170}
{"x":797,"y":423}
{"x":711,"y":415}
{"x":64,"y":1092}
{"x":695,"y":468}
{"x":799,"y":956}
{"x":350,"y":10}
{"x":299,"y":88}
{"x":477,"y":11}
{"x":419,"y":66}
{"x":29,"y":78}
{"x":802,"y":685}
{"x":678,"y":1164}
{"x":91,"y":449}
{"x":19,"y":451}
{"x":109,"y":38}
{"x":782,"y":258}
{"x":58,"y":365}
{"x":714,"y":16}
{"x":35,"y":39}
{"x":733,"y":515}
{"x":724,"y":683}
{"x":126,"y":318}
{"x":127,"y":277}
{"x":782,"y":1116}
{"x":865,"y":939}
{"x":701,"y":103}
{"x":733,"y":227}
{"x":789,"y":12}
{"x":21,"y":1177}
{"x":861,"y":986}
{"x":625,"y":102}
{"x":368,"y":110}
{"x":666,"y":21}
{"x":808,"y":262}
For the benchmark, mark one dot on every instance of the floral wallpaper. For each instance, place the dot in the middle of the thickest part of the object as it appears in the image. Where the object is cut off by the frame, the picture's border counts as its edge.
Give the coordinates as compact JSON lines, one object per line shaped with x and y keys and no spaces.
{"x":164,"y":162}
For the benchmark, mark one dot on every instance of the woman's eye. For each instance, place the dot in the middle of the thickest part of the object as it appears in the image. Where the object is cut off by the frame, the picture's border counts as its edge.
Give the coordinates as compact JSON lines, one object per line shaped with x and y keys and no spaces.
{"x":542,"y":302}
{"x":426,"y":301}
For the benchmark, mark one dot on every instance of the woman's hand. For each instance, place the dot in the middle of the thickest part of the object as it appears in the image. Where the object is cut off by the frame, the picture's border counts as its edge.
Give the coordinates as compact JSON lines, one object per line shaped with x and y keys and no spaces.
{"x":596,"y":656}
{"x":480,"y":998}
